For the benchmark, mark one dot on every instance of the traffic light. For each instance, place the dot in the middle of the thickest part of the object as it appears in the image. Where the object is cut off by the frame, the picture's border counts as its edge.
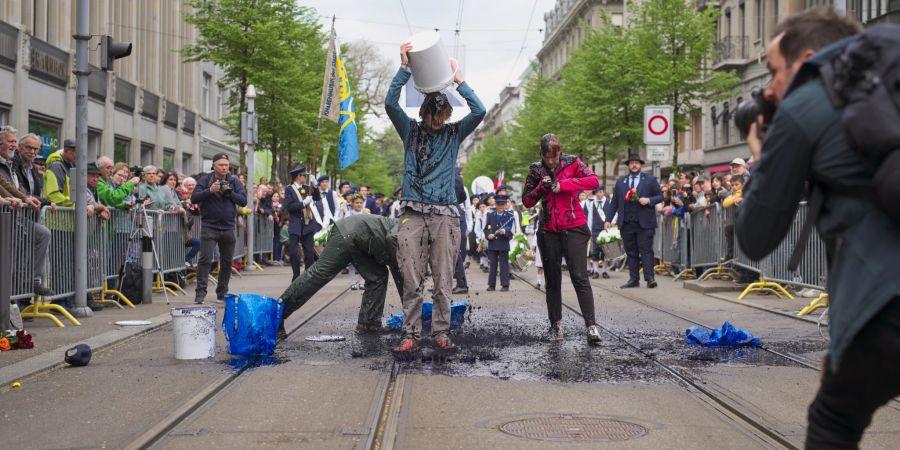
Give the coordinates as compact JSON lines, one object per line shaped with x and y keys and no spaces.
{"x":111,"y":50}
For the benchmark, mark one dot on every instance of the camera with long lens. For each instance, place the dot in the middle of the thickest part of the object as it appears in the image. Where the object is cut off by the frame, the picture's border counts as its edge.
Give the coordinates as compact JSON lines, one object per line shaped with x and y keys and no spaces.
{"x":137,"y":171}
{"x":226,"y":188}
{"x":747,"y":112}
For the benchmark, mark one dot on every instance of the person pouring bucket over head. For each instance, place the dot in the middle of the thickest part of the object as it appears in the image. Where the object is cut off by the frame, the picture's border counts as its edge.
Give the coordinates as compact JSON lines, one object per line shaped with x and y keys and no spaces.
{"x":429,"y":220}
{"x":555,"y":181}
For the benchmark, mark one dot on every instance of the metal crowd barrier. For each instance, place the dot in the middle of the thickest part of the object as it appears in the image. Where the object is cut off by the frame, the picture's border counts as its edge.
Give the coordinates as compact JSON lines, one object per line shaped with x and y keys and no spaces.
{"x":240,"y":236}
{"x":712,"y":241}
{"x":61,"y":222}
{"x":265,"y":229}
{"x":22,"y":251}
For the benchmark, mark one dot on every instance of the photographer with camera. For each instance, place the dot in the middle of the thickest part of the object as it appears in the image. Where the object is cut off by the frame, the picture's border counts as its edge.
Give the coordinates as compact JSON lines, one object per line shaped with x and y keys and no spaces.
{"x":219,"y":194}
{"x":806,"y":142}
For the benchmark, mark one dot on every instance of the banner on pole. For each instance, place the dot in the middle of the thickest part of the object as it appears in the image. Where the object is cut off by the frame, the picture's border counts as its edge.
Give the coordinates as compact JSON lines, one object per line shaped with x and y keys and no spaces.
{"x":331,"y":87}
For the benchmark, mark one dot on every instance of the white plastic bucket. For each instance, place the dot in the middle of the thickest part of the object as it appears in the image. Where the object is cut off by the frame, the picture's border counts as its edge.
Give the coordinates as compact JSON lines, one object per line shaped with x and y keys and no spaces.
{"x":195,"y":332}
{"x":429,"y":62}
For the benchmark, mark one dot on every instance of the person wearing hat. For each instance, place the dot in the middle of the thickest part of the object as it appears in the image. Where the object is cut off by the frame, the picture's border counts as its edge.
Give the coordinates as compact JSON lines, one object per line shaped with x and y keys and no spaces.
{"x":93,"y":200}
{"x":332,"y":199}
{"x":739,"y":169}
{"x":380,"y":208}
{"x":308,"y":216}
{"x":219,"y":194}
{"x":633,"y":203}
{"x":596,"y":216}
{"x":56,"y":178}
{"x":40,"y":166}
{"x":555,"y":182}
{"x":429,"y":228}
{"x":498,"y":230}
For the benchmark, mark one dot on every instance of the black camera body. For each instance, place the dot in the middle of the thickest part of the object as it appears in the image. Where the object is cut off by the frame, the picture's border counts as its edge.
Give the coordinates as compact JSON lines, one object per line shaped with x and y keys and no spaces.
{"x":226,"y":188}
{"x":137,"y":171}
{"x":746,"y":113}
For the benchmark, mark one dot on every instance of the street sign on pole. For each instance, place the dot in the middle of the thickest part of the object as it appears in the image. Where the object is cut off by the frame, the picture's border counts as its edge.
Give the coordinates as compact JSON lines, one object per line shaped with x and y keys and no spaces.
{"x":659,"y":153}
{"x":658,"y":125}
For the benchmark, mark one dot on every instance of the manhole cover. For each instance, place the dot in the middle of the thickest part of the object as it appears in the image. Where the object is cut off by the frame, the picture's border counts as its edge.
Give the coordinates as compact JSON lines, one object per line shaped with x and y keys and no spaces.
{"x":573,"y":429}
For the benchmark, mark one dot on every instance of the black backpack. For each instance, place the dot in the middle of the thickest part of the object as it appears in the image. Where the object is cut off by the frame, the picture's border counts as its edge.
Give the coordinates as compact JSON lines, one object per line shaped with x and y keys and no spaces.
{"x":863,"y":80}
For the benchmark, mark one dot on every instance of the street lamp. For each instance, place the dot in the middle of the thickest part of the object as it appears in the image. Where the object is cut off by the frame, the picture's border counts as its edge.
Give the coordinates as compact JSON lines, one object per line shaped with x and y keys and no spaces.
{"x":249,"y":135}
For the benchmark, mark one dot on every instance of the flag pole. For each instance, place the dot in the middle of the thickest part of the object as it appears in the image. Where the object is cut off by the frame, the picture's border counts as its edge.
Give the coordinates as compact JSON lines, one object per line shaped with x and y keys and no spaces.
{"x":319,"y":122}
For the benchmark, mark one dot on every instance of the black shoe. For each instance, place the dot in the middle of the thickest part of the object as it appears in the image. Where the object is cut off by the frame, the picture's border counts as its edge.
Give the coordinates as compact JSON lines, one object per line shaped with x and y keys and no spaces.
{"x":365,"y":328}
{"x":460,"y":290}
{"x":485,"y":269}
{"x":466,"y":265}
{"x":595,"y":275}
{"x":630,"y":284}
{"x":40,"y":290}
{"x":651,"y":284}
{"x":491,"y":288}
{"x":504,"y":289}
{"x":605,"y":276}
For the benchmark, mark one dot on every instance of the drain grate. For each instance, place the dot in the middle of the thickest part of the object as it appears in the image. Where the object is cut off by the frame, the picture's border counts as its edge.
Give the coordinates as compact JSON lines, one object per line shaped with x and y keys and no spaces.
{"x":573,"y":429}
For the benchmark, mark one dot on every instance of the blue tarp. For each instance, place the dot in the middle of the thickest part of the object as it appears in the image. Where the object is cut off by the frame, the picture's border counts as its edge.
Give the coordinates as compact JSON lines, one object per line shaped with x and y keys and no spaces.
{"x":728,"y":335}
{"x":251,"y":324}
{"x":457,"y":315}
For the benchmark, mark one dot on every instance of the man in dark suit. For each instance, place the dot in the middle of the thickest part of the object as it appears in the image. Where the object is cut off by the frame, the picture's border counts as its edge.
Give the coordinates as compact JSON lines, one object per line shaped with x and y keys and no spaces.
{"x":595,"y":211}
{"x":633,"y":199}
{"x":302,"y":226}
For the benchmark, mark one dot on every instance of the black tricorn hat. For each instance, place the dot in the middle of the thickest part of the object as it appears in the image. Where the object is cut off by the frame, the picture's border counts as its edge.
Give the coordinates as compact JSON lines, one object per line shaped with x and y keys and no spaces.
{"x":299,"y":170}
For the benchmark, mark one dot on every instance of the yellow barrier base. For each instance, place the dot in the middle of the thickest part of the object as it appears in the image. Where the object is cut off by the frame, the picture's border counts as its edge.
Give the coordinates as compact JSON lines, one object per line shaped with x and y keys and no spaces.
{"x":114,"y":293}
{"x":34,"y":311}
{"x":720,"y":271}
{"x":686,"y":274}
{"x":159,"y":286}
{"x":819,"y":302}
{"x":662,"y":268}
{"x":766,"y":286}
{"x":256,"y":264}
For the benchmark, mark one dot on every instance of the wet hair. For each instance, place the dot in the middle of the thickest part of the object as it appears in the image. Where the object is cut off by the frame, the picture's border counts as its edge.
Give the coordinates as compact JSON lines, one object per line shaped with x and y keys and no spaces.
{"x":814,"y":28}
{"x":550,"y":144}
{"x":436,"y":104}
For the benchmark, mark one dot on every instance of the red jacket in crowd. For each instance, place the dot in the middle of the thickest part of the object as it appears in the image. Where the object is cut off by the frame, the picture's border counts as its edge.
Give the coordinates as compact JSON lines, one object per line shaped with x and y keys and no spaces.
{"x":560,"y":210}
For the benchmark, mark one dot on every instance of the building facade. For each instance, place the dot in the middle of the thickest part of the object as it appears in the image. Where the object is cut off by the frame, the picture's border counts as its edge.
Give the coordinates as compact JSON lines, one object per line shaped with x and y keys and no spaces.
{"x":567,"y":25}
{"x":153,"y":108}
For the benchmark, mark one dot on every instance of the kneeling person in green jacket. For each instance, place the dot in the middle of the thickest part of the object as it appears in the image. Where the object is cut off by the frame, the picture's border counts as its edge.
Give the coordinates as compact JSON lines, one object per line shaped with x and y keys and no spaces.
{"x":370,"y":243}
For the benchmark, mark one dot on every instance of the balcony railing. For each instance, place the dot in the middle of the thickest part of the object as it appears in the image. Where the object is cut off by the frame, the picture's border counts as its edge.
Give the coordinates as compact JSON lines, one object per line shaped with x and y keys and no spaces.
{"x":731,"y":49}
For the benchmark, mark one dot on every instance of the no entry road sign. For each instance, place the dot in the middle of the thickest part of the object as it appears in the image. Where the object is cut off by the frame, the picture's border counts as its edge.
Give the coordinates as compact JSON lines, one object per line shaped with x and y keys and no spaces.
{"x":658,"y":124}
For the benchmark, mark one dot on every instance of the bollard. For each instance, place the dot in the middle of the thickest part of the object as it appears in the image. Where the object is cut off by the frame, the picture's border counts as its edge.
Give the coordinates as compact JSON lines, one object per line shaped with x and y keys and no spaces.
{"x":146,"y":259}
{"x":6,"y":265}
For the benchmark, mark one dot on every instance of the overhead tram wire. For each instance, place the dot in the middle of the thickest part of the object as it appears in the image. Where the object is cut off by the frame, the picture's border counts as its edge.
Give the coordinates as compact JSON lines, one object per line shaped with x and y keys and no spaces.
{"x":408,"y":26}
{"x":524,"y":41}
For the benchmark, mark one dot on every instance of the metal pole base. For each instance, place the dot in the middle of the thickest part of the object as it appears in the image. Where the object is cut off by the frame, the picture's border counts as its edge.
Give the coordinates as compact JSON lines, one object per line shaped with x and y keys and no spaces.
{"x":82,"y":311}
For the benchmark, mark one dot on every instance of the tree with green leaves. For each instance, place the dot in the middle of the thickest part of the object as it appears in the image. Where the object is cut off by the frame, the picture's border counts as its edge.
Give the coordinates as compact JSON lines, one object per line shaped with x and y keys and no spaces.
{"x":674,"y":40}
{"x":275,"y":45}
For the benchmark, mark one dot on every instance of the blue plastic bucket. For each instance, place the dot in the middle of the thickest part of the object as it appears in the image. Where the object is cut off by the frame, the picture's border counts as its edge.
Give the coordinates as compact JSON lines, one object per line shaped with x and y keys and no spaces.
{"x":251,"y":324}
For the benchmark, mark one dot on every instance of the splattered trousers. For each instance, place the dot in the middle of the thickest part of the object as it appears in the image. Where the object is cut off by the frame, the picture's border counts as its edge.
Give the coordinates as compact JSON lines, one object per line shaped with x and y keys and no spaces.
{"x":423,"y":239}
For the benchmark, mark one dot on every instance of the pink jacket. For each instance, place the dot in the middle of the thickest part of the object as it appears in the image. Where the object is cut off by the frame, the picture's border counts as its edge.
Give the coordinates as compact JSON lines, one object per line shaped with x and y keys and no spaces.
{"x":562,"y":210}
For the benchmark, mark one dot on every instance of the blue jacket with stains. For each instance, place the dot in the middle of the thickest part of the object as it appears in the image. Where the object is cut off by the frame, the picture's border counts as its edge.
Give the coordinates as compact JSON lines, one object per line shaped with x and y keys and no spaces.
{"x":430,"y":155}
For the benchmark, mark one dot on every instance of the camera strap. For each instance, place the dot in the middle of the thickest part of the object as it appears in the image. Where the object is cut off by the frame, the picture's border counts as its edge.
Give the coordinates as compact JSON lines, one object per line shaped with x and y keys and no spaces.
{"x":815,"y":206}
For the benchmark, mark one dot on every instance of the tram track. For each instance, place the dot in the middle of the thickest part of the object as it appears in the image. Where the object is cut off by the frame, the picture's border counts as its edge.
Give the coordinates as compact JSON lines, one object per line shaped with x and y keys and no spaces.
{"x":797,"y":359}
{"x":213,"y":391}
{"x":727,"y":403}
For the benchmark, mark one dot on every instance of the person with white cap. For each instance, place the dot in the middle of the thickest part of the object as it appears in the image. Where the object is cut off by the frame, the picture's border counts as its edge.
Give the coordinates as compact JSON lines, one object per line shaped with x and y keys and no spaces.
{"x":739,"y":168}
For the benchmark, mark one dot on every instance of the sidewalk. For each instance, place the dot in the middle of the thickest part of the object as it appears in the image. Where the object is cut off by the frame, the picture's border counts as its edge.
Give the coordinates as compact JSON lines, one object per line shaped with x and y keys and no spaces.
{"x":100,"y":331}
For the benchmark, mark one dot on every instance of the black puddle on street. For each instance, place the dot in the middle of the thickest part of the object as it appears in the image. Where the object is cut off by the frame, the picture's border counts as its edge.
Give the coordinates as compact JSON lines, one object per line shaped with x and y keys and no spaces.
{"x":511,"y":345}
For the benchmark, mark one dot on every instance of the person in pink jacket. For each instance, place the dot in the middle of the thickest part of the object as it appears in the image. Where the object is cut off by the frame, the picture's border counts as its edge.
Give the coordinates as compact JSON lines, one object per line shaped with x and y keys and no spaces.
{"x":555,"y":181}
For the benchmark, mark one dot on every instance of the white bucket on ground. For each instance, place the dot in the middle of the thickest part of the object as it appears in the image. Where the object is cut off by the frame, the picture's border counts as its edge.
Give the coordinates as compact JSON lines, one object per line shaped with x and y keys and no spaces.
{"x":429,"y":62}
{"x":195,"y":332}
